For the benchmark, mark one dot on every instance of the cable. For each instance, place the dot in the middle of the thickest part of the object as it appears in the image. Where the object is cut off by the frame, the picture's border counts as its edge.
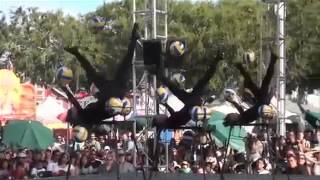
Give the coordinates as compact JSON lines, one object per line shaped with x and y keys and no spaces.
{"x":156,"y":154}
{"x":136,"y":145}
{"x":225,"y":154}
{"x":214,"y":151}
{"x":69,"y":165}
{"x":117,"y":154}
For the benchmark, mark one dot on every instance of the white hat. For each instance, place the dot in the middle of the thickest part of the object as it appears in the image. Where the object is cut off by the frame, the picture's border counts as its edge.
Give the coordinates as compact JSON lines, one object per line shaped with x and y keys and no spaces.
{"x":211,"y":159}
{"x":22,"y":155}
{"x":107,"y":148}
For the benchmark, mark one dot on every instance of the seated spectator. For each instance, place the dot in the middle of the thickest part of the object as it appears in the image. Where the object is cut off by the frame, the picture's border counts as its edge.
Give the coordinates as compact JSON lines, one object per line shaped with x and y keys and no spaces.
{"x":292,"y":142}
{"x":303,"y":144}
{"x":4,"y":169}
{"x":109,"y":165}
{"x":124,"y":166}
{"x":53,"y":163}
{"x":313,"y":158}
{"x":174,"y":167}
{"x":37,"y":170}
{"x":94,"y":143}
{"x":129,"y":157}
{"x":185,"y":168}
{"x":254,"y":146}
{"x":19,"y":172}
{"x":94,"y":161}
{"x":303,"y":164}
{"x":292,"y":166}
{"x":85,"y":167}
{"x":260,"y":167}
{"x":211,"y":166}
{"x":63,"y":165}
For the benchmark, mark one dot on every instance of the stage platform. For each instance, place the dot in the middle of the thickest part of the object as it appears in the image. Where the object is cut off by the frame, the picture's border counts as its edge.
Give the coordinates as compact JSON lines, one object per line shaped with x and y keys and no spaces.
{"x":159,"y":176}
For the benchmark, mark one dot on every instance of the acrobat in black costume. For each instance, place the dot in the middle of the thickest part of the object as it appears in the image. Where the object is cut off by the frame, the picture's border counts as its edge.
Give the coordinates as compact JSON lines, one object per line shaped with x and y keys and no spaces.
{"x":262,"y":96}
{"x":94,"y":113}
{"x":190,"y":99}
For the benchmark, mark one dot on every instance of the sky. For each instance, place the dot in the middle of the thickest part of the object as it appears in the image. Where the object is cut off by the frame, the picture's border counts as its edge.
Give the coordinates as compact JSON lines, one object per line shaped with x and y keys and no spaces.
{"x":71,"y":7}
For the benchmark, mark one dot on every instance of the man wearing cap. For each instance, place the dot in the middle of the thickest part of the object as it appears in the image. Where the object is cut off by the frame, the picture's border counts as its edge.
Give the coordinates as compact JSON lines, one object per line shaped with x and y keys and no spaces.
{"x":94,"y":143}
{"x":185,"y":168}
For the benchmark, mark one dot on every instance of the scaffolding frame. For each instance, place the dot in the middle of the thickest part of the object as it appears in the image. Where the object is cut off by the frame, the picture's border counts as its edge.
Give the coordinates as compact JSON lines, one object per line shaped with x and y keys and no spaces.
{"x":149,"y":14}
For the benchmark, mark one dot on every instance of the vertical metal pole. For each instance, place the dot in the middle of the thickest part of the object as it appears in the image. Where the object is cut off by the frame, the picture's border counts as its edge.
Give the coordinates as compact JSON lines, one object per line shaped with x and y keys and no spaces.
{"x":146,"y":21}
{"x":134,"y":88}
{"x":134,"y":11}
{"x":166,"y":19}
{"x":282,"y":67}
{"x":154,"y":19}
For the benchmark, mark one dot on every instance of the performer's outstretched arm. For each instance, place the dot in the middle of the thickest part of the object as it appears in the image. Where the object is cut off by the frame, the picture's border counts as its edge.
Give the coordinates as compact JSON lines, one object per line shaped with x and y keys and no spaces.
{"x":179,"y":93}
{"x":72,"y":99}
{"x":92,"y":75}
{"x":301,"y":108}
{"x":197,"y":89}
{"x":248,"y":81}
{"x":269,"y":74}
{"x":122,"y":73}
{"x":237,"y":106}
{"x":171,"y":111}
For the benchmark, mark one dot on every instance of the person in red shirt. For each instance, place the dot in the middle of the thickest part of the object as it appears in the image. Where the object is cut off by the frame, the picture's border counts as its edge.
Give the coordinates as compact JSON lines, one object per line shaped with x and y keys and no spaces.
{"x":20,"y":171}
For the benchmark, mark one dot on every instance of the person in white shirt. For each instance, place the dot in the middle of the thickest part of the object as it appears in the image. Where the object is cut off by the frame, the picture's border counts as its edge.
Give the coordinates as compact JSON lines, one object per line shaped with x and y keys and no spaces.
{"x":37,"y":170}
{"x":260,"y":167}
{"x":53,"y":163}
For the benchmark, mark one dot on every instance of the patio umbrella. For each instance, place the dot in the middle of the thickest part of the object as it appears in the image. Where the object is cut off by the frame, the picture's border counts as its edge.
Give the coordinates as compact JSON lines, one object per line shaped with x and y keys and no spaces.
{"x":27,"y":134}
{"x":313,"y":118}
{"x":221,"y":132}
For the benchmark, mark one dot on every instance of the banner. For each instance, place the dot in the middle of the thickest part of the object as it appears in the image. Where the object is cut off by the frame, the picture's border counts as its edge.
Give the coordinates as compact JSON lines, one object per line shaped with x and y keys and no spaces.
{"x":17,"y":102}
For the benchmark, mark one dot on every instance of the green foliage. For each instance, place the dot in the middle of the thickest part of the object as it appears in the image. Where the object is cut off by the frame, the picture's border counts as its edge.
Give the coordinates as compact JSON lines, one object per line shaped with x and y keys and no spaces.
{"x":36,"y":38}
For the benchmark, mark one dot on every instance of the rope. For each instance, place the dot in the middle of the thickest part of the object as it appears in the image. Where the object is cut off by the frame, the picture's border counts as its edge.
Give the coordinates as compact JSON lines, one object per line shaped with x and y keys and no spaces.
{"x":204,"y":159}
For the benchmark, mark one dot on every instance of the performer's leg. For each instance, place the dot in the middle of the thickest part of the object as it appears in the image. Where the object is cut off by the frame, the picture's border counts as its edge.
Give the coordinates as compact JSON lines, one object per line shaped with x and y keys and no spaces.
{"x":71,"y":98}
{"x":122,"y":73}
{"x":246,"y":117}
{"x":197,"y":89}
{"x":237,"y":106}
{"x":268,"y":77}
{"x":91,"y":73}
{"x":248,"y":81}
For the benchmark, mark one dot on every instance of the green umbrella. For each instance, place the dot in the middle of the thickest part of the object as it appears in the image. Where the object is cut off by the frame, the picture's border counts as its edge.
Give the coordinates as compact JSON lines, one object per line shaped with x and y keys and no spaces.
{"x":27,"y":134}
{"x":221,"y":132}
{"x":313,"y":118}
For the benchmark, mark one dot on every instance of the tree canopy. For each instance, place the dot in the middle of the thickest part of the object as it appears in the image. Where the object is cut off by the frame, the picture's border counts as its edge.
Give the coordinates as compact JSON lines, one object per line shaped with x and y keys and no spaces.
{"x":36,"y":38}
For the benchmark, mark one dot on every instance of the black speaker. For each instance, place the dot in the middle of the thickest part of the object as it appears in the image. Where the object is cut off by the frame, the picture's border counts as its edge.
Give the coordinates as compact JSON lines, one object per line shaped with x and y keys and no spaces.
{"x":152,"y":50}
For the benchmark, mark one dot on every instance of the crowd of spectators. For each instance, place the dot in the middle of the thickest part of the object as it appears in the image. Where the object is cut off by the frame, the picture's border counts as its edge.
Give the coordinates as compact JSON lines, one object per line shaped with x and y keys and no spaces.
{"x":297,"y":153}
